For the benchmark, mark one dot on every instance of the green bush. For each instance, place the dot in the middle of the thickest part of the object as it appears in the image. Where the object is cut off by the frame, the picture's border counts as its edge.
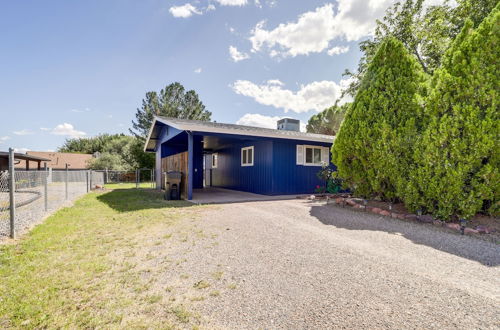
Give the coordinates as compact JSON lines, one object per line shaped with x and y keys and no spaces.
{"x":456,"y":169}
{"x":374,"y":147}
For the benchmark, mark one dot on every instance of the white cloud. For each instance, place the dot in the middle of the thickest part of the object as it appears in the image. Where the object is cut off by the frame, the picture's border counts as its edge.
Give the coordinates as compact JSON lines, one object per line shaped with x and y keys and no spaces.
{"x":79,"y":111}
{"x":232,"y":2}
{"x":184,"y":11}
{"x":68,"y":130}
{"x":338,"y":50}
{"x":24,"y":132}
{"x":236,"y":55}
{"x":4,"y":138}
{"x":210,"y":7}
{"x":21,"y":150}
{"x":198,"y":70}
{"x":258,"y":120}
{"x":314,"y":31}
{"x":316,"y":96}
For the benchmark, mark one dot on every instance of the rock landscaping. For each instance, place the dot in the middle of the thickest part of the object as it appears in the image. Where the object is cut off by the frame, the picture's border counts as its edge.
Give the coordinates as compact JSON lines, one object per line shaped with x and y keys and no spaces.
{"x":400,"y":213}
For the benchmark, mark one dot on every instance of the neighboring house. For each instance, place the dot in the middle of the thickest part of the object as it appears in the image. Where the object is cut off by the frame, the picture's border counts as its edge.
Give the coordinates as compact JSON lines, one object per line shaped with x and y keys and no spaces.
{"x":58,"y":160}
{"x":252,"y":159}
{"x":19,"y":159}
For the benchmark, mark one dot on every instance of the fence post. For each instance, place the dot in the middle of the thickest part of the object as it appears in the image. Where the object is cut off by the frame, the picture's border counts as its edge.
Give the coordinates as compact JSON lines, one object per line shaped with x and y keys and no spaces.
{"x":106,"y":178}
{"x":12,"y":196}
{"x":87,"y":180}
{"x":136,"y":179}
{"x":90,"y":179}
{"x":66,"y":183}
{"x":45,"y":187}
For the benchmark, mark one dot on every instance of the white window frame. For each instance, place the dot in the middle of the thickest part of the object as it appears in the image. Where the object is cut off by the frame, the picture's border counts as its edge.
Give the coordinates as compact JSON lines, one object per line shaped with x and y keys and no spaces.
{"x":253,"y":156}
{"x":215,"y":156}
{"x":321,"y":155}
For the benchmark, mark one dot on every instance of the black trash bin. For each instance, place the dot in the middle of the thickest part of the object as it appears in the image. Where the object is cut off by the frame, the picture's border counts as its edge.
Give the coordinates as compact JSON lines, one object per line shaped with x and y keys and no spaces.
{"x":173,"y":185}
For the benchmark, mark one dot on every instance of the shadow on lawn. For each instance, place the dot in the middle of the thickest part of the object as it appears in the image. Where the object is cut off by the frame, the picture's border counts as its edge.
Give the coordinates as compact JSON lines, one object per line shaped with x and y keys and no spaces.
{"x":486,"y":253}
{"x":129,"y":200}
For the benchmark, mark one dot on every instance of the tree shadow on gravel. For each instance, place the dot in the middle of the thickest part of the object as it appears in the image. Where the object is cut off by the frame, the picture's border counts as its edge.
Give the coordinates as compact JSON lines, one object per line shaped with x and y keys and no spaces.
{"x":129,"y":200}
{"x":486,"y":253}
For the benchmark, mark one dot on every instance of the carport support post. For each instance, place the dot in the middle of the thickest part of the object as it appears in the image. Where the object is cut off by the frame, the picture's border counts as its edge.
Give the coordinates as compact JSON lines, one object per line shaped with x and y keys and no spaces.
{"x":190,"y":166}
{"x":12,"y":196}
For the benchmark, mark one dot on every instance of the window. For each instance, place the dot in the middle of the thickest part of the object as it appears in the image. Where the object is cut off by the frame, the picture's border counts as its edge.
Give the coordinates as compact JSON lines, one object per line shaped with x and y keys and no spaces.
{"x":215,"y":160}
{"x":247,"y":156}
{"x":312,"y":155}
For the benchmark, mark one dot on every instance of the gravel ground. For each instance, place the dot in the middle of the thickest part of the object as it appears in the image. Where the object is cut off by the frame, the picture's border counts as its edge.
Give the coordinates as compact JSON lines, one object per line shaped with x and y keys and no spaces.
{"x":300,"y":264}
{"x":33,"y":213}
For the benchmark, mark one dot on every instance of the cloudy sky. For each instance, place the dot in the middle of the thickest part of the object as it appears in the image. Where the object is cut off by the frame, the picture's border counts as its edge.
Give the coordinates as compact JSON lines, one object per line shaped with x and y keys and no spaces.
{"x":79,"y":68}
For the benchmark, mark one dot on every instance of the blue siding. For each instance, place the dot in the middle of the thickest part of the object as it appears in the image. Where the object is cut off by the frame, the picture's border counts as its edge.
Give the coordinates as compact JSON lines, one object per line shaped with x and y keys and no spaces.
{"x":290,"y":178}
{"x":230,"y":174}
{"x":274,"y":171}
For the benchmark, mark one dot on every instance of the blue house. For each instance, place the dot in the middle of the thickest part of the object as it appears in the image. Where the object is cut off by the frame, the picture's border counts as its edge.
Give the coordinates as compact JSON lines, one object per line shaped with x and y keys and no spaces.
{"x":258,"y":160}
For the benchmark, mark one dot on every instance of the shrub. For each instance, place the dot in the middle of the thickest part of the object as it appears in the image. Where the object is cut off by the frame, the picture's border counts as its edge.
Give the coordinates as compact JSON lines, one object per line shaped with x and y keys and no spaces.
{"x":374,"y":148}
{"x":457,"y":158}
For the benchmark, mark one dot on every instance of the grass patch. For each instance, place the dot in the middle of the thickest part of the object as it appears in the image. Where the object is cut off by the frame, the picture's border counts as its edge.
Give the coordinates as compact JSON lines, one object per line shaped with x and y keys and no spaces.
{"x":182,"y":314}
{"x":215,"y":293}
{"x":217,"y":275}
{"x":201,"y":285}
{"x":76,"y":270}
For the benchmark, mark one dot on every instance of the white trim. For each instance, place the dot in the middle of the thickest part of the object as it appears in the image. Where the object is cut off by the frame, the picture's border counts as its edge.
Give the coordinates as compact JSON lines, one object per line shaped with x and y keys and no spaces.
{"x":320,"y":156}
{"x":253,"y":156}
{"x":299,"y":154}
{"x":216,"y":163}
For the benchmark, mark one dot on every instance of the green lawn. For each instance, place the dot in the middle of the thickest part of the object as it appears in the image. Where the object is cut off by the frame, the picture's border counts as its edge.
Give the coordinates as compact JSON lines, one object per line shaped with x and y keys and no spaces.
{"x":81,"y":268}
{"x":127,"y":185}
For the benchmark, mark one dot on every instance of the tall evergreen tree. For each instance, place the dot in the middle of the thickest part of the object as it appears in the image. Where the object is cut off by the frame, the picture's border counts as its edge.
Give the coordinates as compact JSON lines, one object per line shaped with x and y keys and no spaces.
{"x":458,"y":157}
{"x":375,"y":143}
{"x":172,"y":101}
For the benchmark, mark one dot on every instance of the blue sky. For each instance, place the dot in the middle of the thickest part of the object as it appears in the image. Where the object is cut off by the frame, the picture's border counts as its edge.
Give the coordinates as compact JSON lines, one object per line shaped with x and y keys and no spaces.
{"x":79,"y":68}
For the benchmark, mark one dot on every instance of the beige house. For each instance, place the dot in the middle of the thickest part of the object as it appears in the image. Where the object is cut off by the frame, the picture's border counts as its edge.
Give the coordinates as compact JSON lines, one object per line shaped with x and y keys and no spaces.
{"x":58,"y":160}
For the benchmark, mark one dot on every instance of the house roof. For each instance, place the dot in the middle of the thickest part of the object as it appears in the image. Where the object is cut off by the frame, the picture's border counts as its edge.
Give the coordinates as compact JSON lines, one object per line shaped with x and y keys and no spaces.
{"x":58,"y":160}
{"x":19,"y":156}
{"x":213,"y":127}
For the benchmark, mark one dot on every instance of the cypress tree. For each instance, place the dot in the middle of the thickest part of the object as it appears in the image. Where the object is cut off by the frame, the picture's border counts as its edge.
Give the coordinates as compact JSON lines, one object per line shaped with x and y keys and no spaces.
{"x":457,"y":170}
{"x":375,"y":144}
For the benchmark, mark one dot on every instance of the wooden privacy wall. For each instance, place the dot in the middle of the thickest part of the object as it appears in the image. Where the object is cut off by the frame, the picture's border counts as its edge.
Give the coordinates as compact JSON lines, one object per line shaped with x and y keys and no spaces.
{"x":177,"y":162}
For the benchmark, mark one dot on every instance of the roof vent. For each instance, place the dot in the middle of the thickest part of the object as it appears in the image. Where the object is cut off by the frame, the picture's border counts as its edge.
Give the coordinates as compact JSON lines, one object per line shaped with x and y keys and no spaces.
{"x":289,"y":124}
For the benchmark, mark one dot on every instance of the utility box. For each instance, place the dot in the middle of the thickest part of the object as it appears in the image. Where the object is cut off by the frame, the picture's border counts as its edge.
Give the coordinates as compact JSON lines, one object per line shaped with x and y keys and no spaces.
{"x":173,"y":185}
{"x":289,"y":124}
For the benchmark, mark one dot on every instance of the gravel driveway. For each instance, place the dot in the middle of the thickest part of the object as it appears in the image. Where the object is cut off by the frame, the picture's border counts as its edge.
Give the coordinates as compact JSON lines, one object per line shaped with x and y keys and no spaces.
{"x":301,"y":264}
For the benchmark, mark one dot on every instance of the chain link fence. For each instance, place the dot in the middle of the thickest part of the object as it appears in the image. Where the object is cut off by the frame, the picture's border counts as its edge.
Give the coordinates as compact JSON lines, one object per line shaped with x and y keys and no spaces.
{"x":142,"y":178}
{"x":39,"y":193}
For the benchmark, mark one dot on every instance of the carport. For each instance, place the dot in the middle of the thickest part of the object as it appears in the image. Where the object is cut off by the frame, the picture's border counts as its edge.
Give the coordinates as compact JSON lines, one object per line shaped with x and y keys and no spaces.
{"x":248,"y":163}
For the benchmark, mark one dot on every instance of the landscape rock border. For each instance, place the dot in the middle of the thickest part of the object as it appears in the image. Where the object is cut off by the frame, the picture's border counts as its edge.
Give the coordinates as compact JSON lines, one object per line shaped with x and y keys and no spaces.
{"x":426,"y":218}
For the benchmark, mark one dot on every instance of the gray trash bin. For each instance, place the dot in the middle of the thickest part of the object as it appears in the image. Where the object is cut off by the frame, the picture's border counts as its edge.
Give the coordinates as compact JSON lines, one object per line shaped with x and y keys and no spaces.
{"x":173,"y":185}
